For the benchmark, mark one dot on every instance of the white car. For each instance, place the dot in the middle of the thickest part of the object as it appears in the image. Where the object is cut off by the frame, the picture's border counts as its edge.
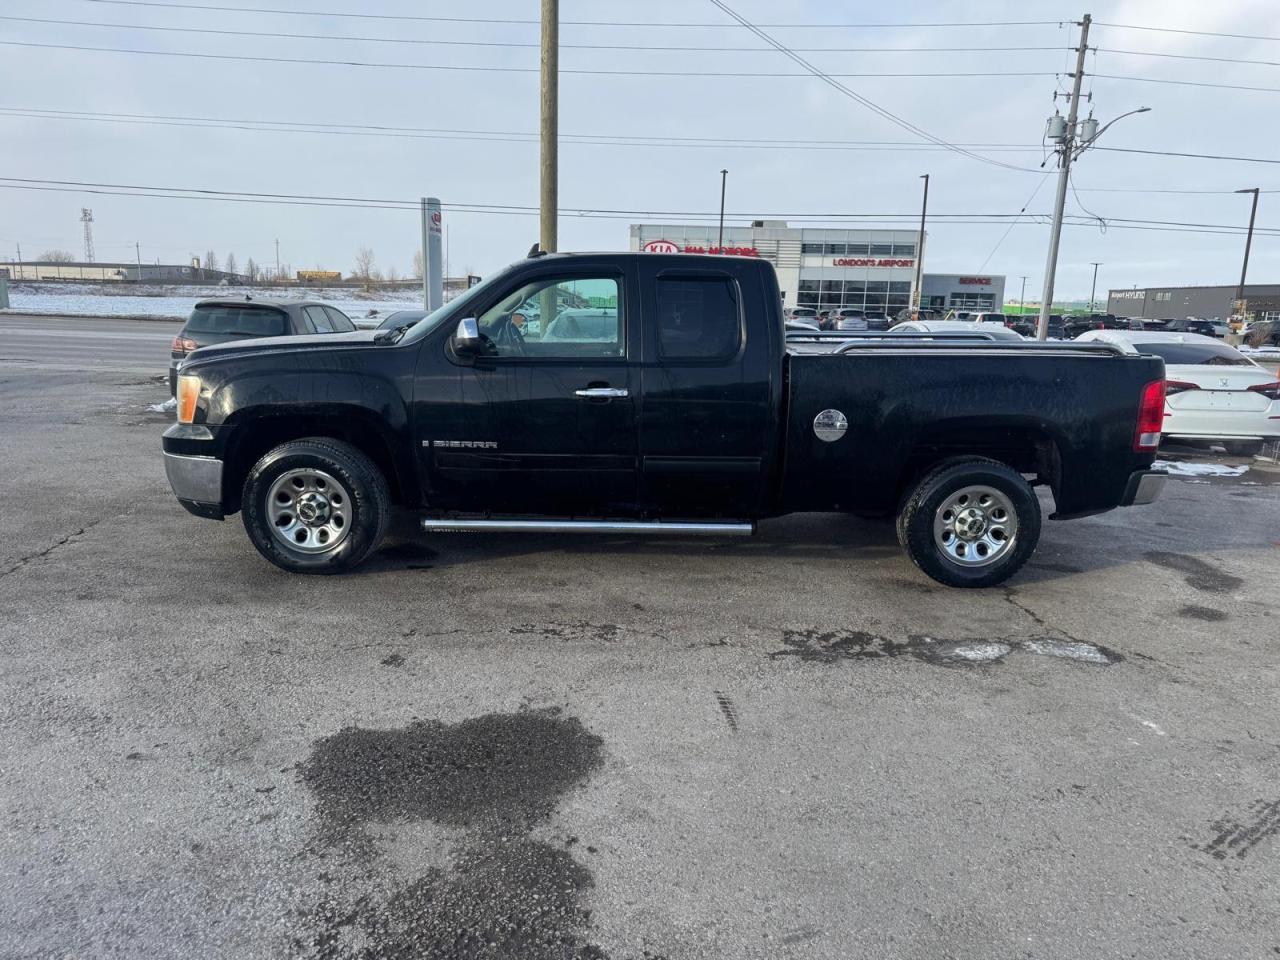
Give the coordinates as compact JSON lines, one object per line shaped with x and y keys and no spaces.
{"x":1212,"y":391}
{"x":994,"y":331}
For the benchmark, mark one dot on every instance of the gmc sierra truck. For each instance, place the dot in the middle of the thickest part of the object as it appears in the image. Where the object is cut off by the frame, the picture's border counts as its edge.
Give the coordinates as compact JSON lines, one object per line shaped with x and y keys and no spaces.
{"x":655,"y":394}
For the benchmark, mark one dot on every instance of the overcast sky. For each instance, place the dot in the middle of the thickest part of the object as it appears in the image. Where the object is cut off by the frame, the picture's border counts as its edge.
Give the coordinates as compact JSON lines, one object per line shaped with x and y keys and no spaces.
{"x":1008,"y":110}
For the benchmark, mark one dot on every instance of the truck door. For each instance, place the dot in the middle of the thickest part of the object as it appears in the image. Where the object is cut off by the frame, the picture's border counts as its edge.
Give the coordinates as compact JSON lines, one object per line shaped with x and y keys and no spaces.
{"x":555,"y":398}
{"x":708,"y":407}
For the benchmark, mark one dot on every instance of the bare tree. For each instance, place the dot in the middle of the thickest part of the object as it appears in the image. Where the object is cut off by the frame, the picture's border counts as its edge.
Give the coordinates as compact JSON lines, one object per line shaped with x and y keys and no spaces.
{"x":251,"y":269}
{"x":229,"y":264}
{"x":364,"y":266}
{"x":392,"y":274}
{"x":210,"y":260}
{"x":417,"y":264}
{"x":57,"y":256}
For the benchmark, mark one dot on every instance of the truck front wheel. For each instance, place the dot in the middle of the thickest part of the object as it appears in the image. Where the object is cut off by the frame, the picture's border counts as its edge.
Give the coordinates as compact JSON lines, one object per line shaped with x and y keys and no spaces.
{"x":970,"y":523}
{"x":315,"y":506}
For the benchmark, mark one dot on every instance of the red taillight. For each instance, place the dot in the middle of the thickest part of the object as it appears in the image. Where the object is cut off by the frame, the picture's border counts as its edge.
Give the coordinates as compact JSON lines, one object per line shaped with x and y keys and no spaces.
{"x":1269,"y":390}
{"x":1178,"y":386}
{"x":1150,"y":417}
{"x":184,"y":345}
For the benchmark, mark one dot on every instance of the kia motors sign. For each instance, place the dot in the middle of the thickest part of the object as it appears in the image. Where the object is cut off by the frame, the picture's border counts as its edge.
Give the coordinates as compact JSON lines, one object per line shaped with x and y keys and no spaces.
{"x":666,"y":246}
{"x":660,"y":246}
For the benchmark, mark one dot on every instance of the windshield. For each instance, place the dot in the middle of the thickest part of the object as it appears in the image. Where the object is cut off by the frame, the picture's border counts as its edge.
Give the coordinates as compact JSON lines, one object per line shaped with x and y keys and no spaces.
{"x":246,"y":321}
{"x":1209,"y":354}
{"x":456,"y":308}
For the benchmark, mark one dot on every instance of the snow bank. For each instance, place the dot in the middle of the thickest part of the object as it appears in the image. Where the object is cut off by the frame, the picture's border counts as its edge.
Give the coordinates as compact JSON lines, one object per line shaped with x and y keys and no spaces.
{"x":174,"y":301}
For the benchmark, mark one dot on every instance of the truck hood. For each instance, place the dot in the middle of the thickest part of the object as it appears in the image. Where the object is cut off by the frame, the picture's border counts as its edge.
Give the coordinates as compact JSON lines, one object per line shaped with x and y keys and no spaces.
{"x":290,"y":344}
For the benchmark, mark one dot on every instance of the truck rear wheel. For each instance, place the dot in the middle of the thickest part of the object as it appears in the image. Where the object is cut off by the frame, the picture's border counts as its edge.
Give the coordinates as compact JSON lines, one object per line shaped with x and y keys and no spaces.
{"x":970,"y":523}
{"x":315,"y":506}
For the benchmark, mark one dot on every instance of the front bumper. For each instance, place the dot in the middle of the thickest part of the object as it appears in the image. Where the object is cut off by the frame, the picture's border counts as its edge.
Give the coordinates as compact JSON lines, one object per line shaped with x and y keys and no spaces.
{"x":196,"y":482}
{"x":1143,"y":487}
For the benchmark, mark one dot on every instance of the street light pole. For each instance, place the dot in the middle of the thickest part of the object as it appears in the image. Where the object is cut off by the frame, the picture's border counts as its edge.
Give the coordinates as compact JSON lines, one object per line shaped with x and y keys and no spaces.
{"x":724,"y":175}
{"x":1248,"y":242}
{"x":1022,"y":298}
{"x":550,"y":127}
{"x":924,"y":206}
{"x":1093,"y":289}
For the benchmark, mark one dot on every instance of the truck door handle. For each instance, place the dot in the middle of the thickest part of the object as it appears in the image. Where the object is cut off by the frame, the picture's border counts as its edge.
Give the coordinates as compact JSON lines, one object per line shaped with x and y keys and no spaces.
{"x":601,"y":393}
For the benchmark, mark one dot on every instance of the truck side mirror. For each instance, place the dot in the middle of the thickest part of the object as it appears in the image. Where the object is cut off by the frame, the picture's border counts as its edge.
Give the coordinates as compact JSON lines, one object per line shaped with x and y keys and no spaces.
{"x":466,"y":338}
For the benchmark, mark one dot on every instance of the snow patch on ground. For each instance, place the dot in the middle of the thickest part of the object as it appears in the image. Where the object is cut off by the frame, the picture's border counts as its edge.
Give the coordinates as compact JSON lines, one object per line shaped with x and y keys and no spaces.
{"x":1177,"y":468}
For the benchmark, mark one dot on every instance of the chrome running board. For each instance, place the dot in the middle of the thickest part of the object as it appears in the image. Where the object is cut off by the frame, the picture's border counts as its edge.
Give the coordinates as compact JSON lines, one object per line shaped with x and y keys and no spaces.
{"x":431,"y":525}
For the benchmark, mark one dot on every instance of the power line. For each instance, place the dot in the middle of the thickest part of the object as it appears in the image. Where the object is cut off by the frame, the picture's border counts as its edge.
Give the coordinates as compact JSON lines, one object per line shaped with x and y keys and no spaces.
{"x":504,"y":43}
{"x":201,"y":193}
{"x":1186,"y":83}
{"x":1178,"y":56}
{"x":1197,"y":33}
{"x":575,"y":23}
{"x":483,"y":136}
{"x":1013,"y":223}
{"x":246,"y":58}
{"x":857,"y":97}
{"x":1198,"y":156}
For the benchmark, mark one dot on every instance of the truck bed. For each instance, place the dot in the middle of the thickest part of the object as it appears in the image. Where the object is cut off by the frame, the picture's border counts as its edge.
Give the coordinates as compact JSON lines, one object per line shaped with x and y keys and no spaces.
{"x":1062,"y":411}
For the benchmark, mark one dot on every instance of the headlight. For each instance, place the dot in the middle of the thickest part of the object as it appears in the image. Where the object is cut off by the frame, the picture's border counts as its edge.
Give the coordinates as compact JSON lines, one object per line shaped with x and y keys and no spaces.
{"x":188,"y":393}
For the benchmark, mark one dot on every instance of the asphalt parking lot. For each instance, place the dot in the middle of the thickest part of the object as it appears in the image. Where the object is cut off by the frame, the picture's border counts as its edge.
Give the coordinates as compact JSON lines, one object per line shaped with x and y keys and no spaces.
{"x":533,"y":747}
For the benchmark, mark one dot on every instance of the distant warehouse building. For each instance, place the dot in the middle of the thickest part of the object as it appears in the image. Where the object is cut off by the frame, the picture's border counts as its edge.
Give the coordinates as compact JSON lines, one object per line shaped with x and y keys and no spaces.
{"x":825,"y":269}
{"x":117,"y":272}
{"x":1208,"y":303}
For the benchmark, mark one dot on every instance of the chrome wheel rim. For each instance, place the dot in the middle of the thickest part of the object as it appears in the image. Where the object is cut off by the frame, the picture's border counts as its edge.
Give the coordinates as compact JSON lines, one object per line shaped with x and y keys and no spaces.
{"x":975,"y":526}
{"x":310,"y":511}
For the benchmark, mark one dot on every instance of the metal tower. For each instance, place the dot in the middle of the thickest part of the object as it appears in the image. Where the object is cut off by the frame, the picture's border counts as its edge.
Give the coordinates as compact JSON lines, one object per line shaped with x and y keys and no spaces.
{"x":86,"y":217}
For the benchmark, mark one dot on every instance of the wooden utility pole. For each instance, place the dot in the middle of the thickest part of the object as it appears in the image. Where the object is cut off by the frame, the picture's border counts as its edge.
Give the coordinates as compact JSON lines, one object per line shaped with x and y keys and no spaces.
{"x":1065,"y":155}
{"x":549,"y":177}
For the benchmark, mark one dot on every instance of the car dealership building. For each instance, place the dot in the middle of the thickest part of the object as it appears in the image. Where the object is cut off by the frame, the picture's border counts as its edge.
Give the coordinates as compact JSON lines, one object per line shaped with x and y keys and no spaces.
{"x":827,"y":268}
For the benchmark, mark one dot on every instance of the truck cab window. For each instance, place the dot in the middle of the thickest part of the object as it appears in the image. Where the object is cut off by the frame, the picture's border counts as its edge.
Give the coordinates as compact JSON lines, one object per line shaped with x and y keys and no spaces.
{"x":557,"y":318}
{"x":698,"y":318}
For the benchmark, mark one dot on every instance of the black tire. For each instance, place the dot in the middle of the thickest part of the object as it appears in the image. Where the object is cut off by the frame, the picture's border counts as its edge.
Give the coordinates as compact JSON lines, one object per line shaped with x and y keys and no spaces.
{"x":1243,"y":448}
{"x":922,"y":503}
{"x":367,"y":502}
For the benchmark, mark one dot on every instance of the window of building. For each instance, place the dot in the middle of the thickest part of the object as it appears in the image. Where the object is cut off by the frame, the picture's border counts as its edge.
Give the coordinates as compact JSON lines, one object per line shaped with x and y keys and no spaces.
{"x":967,"y":300}
{"x":858,"y":249}
{"x":833,"y":249}
{"x":698,"y":318}
{"x":899,"y":286}
{"x":810,"y":248}
{"x":882,"y":249}
{"x":904,"y":249}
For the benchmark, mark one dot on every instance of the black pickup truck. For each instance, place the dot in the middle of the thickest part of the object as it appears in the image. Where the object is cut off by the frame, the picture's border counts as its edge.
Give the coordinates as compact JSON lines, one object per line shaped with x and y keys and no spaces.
{"x":656,"y":394}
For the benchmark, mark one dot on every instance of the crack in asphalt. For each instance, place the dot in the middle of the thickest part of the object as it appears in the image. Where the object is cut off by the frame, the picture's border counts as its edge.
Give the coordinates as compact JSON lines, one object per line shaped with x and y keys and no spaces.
{"x":1011,"y":597}
{"x":23,"y":561}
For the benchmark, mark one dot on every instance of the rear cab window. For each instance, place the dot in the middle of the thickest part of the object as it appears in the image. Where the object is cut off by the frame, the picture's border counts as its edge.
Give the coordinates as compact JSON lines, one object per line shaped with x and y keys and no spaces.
{"x":237,"y":320}
{"x":699,"y":317}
